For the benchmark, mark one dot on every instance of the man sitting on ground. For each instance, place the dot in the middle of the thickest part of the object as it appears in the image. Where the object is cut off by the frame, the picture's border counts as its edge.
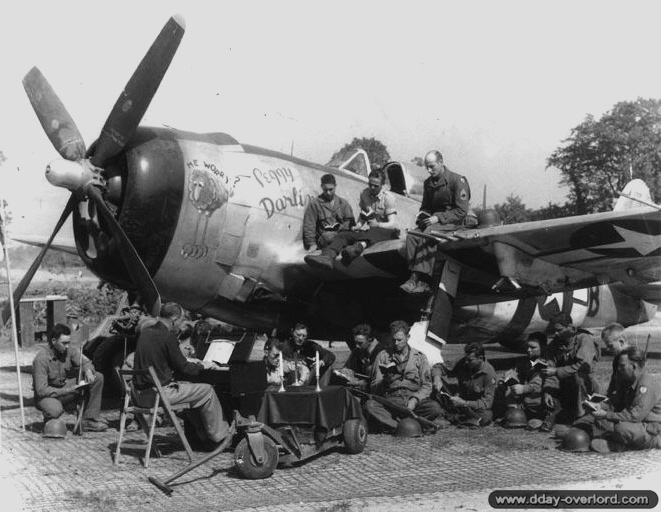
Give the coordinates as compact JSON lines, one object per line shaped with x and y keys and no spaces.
{"x":402,"y":376}
{"x":55,"y":372}
{"x":575,"y":354}
{"x":300,"y":348}
{"x":632,"y":419}
{"x":468,"y":403}
{"x":527,"y":388}
{"x":359,"y":366}
{"x":295,"y":374}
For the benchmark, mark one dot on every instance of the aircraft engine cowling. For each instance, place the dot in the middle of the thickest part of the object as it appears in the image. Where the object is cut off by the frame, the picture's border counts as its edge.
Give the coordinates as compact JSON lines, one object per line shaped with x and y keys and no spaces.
{"x":149,"y":187}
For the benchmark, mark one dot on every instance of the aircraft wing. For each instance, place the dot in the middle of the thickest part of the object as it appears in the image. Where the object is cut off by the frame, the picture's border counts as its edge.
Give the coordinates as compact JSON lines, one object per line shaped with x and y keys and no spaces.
{"x":534,"y":258}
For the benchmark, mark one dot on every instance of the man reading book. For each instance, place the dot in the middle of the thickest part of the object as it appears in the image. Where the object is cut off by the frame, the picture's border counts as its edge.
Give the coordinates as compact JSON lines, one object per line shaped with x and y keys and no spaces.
{"x":471,"y":399}
{"x":402,"y":376}
{"x":325,"y":216}
{"x":525,"y":387}
{"x":376,"y":223}
{"x":445,"y":203}
{"x":360,"y":364}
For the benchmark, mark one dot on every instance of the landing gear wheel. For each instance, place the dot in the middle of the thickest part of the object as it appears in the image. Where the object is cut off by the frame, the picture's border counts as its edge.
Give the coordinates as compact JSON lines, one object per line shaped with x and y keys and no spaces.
{"x":246,"y":464}
{"x":355,"y":435}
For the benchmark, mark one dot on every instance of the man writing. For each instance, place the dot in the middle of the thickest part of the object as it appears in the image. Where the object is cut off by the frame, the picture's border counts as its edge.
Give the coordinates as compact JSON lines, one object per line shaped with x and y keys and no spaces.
{"x":55,"y":372}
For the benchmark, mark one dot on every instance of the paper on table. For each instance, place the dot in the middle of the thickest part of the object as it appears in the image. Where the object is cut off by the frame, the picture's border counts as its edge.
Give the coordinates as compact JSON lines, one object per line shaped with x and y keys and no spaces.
{"x":219,"y":351}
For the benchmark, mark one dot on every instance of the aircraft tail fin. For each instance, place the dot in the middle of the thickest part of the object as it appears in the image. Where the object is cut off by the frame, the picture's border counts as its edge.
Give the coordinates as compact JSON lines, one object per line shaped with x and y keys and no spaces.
{"x":635,"y":195}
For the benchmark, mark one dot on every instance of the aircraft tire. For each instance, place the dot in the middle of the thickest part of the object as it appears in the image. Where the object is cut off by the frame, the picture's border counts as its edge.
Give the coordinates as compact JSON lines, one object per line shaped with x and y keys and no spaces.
{"x":355,"y":435}
{"x":246,"y":464}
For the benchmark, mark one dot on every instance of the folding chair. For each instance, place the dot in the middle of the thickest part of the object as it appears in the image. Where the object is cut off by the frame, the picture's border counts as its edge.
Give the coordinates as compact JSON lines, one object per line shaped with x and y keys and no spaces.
{"x":147,"y":402}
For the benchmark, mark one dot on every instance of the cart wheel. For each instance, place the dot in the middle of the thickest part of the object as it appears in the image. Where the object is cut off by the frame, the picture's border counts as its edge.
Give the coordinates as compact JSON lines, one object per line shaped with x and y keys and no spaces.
{"x":246,"y":464}
{"x":355,"y":435}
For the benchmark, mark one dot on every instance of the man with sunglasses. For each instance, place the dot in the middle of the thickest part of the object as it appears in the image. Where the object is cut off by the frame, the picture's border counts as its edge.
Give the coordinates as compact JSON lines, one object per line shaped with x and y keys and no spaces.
{"x":445,"y":203}
{"x":376,"y":223}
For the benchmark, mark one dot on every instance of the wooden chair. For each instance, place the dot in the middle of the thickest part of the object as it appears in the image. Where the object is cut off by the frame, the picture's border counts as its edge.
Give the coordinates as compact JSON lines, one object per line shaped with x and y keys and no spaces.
{"x":147,"y":402}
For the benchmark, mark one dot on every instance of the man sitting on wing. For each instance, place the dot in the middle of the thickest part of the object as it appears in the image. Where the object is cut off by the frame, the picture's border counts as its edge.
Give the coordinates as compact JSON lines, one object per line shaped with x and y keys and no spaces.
{"x":325,"y":216}
{"x":376,"y":223}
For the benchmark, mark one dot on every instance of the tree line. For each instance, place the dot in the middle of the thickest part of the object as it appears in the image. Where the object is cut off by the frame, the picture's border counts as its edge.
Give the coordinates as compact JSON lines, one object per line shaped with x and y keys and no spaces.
{"x":597,"y":159}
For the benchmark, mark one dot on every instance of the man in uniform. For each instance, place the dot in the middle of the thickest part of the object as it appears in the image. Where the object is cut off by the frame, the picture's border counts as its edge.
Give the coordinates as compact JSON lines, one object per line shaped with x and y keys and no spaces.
{"x":615,"y":341}
{"x":402,"y":376}
{"x":633,"y":418}
{"x":158,"y":346}
{"x":528,"y":388}
{"x":299,"y":348}
{"x":475,"y":390}
{"x":359,"y":366}
{"x":613,"y":337}
{"x":295,"y":374}
{"x":445,"y":203}
{"x":325,"y":215}
{"x":376,"y":223}
{"x":574,"y":353}
{"x":55,"y":372}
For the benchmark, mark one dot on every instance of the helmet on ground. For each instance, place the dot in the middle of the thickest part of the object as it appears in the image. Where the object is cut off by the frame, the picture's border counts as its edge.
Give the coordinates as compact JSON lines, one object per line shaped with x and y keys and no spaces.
{"x":515,"y":418}
{"x":55,"y":428}
{"x":576,"y":440}
{"x":408,"y":427}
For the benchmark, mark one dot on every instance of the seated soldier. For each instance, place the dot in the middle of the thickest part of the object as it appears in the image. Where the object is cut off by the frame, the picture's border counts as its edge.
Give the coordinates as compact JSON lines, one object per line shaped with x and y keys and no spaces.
{"x":295,"y":374}
{"x":300,"y":348}
{"x":468,"y":403}
{"x":55,"y":374}
{"x":574,"y":353}
{"x":376,"y":223}
{"x":325,"y":216}
{"x":526,"y":388}
{"x":359,"y":366}
{"x":632,"y":417}
{"x":400,"y":375}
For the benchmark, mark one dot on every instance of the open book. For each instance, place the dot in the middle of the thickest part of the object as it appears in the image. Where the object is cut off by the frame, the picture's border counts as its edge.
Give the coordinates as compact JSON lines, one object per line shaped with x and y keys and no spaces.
{"x":332,"y":225}
{"x":368,"y":214}
{"x":82,"y":384}
{"x":538,"y":364}
{"x":593,"y":401}
{"x":387,"y":367}
{"x":510,"y":378}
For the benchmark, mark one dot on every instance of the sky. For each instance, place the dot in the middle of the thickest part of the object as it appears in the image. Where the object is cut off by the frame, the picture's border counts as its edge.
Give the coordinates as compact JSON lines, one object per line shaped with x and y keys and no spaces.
{"x":495,"y":85}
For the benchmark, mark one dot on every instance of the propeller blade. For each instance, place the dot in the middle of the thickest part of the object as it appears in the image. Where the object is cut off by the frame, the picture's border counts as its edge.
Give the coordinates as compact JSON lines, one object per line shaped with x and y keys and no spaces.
{"x":53,"y":116}
{"x":138,"y":93}
{"x":27,"y":278}
{"x":136,"y":268}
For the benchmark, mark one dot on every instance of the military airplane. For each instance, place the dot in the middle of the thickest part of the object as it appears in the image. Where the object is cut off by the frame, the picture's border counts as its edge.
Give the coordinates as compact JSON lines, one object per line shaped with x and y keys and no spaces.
{"x":215,"y":224}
